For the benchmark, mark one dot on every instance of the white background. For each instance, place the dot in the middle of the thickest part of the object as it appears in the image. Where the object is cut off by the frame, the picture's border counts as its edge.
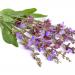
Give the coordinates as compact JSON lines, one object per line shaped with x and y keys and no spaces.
{"x":17,"y":61}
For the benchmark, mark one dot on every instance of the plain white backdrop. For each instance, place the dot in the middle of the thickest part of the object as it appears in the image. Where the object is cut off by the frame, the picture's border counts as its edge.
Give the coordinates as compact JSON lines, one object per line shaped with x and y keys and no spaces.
{"x":17,"y":61}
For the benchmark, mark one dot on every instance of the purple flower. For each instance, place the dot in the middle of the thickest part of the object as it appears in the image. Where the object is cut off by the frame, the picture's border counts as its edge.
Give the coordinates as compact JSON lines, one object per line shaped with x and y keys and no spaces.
{"x":52,"y":29}
{"x":37,"y":41}
{"x":49,"y":58}
{"x":47,"y":33}
{"x":69,"y":50}
{"x":31,"y":41}
{"x":19,"y":35}
{"x":53,"y":54}
{"x":33,"y":38}
{"x":41,"y":49}
{"x":22,"y":25}
{"x":28,"y":47}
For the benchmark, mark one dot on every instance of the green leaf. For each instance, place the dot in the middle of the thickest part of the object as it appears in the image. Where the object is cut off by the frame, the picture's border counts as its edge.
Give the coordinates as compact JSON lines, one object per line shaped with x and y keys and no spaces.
{"x":18,"y":14}
{"x":23,"y":13}
{"x":12,"y":13}
{"x":29,"y":11}
{"x":9,"y":37}
{"x":8,"y":12}
{"x":7,"y":25}
{"x":36,"y":15}
{"x":7,"y":18}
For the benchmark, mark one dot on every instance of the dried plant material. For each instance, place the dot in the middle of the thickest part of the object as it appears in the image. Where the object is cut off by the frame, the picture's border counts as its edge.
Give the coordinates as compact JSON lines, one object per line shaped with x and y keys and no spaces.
{"x":67,"y":58}
{"x":39,"y":63}
{"x":38,"y":60}
{"x":56,"y":60}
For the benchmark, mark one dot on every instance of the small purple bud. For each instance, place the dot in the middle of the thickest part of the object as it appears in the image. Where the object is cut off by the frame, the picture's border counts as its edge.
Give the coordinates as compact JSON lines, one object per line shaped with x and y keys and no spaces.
{"x":49,"y":58}
{"x":33,"y":38}
{"x":31,"y":41}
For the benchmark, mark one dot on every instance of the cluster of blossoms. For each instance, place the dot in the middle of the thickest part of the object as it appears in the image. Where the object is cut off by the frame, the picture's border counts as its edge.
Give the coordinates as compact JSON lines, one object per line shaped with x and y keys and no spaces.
{"x":46,"y":38}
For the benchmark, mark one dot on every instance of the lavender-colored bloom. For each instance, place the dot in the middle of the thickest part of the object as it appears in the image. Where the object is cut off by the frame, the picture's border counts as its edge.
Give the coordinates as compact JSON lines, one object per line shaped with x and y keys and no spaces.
{"x":49,"y":58}
{"x":45,"y":37}
{"x":52,"y":29}
{"x":33,"y":38}
{"x":22,"y":25}
{"x":31,"y":41}
{"x":28,"y":47}
{"x":53,"y":54}
{"x":19,"y":35}
{"x":37,"y":41}
{"x":47,"y":33}
{"x":41,"y":49}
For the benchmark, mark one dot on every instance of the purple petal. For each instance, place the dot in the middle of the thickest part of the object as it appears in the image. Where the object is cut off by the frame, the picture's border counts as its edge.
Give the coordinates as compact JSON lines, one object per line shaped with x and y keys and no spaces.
{"x":49,"y":58}
{"x":47,"y":33}
{"x":37,"y":41}
{"x":33,"y":38}
{"x":19,"y":35}
{"x":22,"y":25}
{"x":28,"y":47}
{"x":54,"y":53}
{"x":31,"y":41}
{"x":40,"y":49}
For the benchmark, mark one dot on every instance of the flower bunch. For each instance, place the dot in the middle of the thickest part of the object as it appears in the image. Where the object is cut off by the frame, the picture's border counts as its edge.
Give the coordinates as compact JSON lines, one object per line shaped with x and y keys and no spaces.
{"x":46,"y":38}
{"x":38,"y":36}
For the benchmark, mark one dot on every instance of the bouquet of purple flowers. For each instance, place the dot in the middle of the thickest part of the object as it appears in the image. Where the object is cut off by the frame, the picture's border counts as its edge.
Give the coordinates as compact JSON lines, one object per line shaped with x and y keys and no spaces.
{"x":36,"y":35}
